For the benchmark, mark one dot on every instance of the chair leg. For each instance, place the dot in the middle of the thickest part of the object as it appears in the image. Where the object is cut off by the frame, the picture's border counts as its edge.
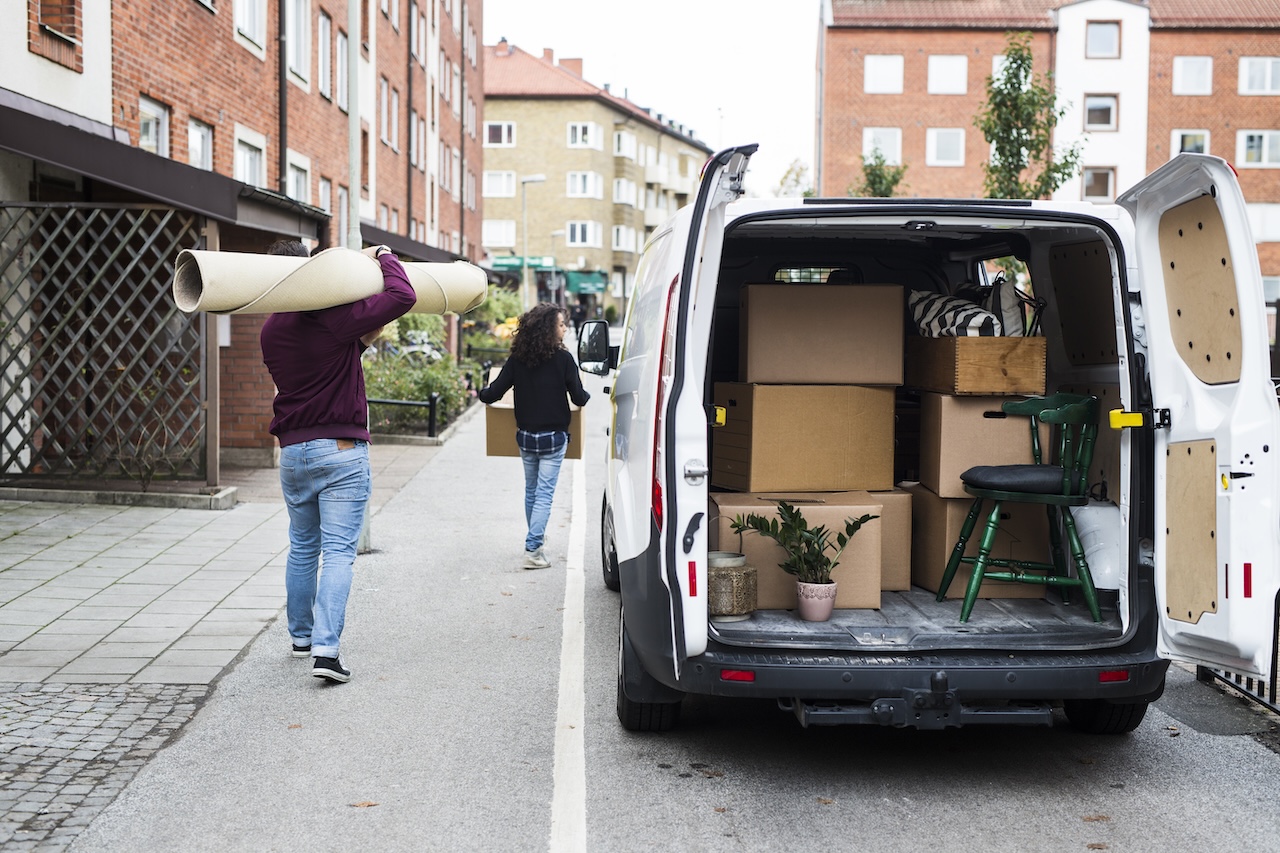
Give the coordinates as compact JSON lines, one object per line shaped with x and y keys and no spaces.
{"x":1082,"y":565}
{"x":1055,"y":550}
{"x":966,"y":530}
{"x":980,"y":564}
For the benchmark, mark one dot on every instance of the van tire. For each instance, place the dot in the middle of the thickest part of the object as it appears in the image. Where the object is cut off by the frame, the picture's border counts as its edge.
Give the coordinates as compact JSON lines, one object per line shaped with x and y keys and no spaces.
{"x":608,"y":548}
{"x":640,"y":716}
{"x":1100,"y":717}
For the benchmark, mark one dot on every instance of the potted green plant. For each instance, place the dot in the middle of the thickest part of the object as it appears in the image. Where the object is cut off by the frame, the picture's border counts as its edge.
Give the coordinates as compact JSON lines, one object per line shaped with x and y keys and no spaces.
{"x":812,"y":552}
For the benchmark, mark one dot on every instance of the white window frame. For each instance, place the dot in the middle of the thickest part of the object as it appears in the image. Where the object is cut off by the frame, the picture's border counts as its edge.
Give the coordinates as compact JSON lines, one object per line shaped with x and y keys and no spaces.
{"x":340,"y":70}
{"x":298,"y":182}
{"x":324,"y":59}
{"x":1269,"y":66}
{"x":298,"y":43}
{"x":624,"y":191}
{"x":160,"y":114}
{"x":1269,"y":138}
{"x":1110,"y":171}
{"x":624,"y":144}
{"x":583,"y":233}
{"x":1092,"y":102}
{"x":250,"y":24}
{"x":324,"y":199}
{"x":395,"y":119}
{"x":499,"y":183}
{"x":384,"y":97}
{"x":624,"y":239}
{"x":931,"y":156}
{"x":508,"y":132}
{"x":948,"y":74}
{"x":243,"y":170}
{"x":1093,"y":50}
{"x":197,"y":129}
{"x":869,"y":136}
{"x":584,"y":185}
{"x":1175,"y":139}
{"x":882,"y":74}
{"x":1192,"y":75}
{"x":584,"y":134}
{"x":498,"y":233}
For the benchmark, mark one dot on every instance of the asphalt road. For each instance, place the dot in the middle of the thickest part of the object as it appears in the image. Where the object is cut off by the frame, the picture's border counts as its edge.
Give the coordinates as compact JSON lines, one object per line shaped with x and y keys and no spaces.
{"x":464,"y":729}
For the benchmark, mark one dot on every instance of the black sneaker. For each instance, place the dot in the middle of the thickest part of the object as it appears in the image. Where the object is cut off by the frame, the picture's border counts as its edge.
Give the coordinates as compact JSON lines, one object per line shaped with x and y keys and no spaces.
{"x":301,"y":651}
{"x":330,"y":668}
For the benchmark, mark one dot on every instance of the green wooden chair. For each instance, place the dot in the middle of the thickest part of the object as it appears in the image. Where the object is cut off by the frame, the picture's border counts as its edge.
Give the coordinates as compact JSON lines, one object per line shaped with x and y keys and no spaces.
{"x":1073,"y":421}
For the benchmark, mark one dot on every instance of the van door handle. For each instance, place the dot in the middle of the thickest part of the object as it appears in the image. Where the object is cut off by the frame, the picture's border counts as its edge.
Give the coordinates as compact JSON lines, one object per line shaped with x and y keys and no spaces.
{"x":695,"y":471}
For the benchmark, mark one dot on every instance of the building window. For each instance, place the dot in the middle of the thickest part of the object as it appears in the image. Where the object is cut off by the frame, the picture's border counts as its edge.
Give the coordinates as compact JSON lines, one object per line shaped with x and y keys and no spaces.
{"x":499,"y":134}
{"x":384,"y":124}
{"x":251,"y":24}
{"x":298,"y":44}
{"x":1258,"y":149}
{"x":1192,"y":141}
{"x":624,"y":144}
{"x":1259,"y":75}
{"x":584,"y":134}
{"x":200,"y":145}
{"x":250,"y":165}
{"x":586,"y":233}
{"x":298,"y":184}
{"x":341,"y":67}
{"x":1099,"y":184}
{"x":498,"y":233}
{"x":624,"y":191}
{"x":624,"y":238}
{"x":324,"y":35}
{"x":456,"y":100}
{"x":395,"y":120}
{"x":882,"y":75}
{"x":499,"y":184}
{"x":948,"y":75}
{"x":1102,"y":40}
{"x":944,"y":146}
{"x":395,"y":221}
{"x":887,"y":140}
{"x":325,"y":201}
{"x":153,"y":127}
{"x":1100,"y":112}
{"x":585,"y":185}
{"x":54,"y":32}
{"x":382,"y":217}
{"x":1193,"y":75}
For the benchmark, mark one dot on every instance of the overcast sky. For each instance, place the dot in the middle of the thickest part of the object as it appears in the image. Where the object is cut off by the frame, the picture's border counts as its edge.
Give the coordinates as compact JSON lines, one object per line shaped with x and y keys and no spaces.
{"x":736,"y":71}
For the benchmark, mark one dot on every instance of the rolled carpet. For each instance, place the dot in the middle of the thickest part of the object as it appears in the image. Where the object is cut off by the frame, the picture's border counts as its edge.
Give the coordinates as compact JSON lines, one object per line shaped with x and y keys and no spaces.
{"x":247,"y":283}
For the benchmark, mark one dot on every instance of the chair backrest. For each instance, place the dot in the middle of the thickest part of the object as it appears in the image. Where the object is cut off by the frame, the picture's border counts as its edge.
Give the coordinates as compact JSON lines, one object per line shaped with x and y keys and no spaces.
{"x":1073,"y":420}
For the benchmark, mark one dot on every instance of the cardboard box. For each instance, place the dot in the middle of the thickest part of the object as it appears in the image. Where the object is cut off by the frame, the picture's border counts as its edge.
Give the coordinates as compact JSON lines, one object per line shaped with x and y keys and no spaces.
{"x":815,"y":334}
{"x":957,"y":433}
{"x":895,"y":535}
{"x":803,"y":438}
{"x":857,"y":575}
{"x":500,"y":429}
{"x":936,"y":522}
{"x":976,"y":365}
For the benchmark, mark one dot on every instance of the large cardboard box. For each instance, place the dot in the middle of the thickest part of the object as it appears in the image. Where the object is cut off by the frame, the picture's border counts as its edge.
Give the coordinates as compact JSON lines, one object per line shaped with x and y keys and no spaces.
{"x":500,"y":429}
{"x":820,"y":334}
{"x":857,"y":575}
{"x":936,"y":522}
{"x":957,"y":433}
{"x":976,"y":365}
{"x":895,"y":535}
{"x":802,"y":438}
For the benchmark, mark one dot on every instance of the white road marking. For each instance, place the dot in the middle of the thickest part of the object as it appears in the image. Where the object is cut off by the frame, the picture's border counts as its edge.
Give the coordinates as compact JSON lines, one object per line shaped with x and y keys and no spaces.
{"x":569,"y":793}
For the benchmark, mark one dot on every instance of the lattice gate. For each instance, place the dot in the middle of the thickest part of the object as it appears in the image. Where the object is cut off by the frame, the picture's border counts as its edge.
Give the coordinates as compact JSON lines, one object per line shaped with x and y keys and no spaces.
{"x":101,"y":377}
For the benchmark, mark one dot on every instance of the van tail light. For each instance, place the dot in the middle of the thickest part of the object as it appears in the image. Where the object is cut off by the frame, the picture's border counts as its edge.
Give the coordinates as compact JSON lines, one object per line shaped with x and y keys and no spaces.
{"x":1113,"y":676}
{"x":666,"y":371}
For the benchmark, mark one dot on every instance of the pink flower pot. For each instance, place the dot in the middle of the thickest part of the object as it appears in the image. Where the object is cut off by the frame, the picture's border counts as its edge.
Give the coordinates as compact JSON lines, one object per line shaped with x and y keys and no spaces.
{"x":815,"y":601}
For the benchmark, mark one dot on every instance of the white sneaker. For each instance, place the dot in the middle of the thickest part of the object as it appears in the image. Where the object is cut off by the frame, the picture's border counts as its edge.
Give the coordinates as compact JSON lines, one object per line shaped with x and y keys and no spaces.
{"x":536,"y":559}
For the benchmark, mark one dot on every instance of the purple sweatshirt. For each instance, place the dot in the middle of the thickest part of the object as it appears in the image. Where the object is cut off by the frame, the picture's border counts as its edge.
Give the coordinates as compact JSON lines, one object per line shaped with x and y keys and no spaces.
{"x":314,"y":359}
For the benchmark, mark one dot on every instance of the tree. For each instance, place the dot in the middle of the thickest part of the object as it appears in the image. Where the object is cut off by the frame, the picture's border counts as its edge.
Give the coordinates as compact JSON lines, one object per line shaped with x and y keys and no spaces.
{"x":795,"y":181}
{"x":1018,"y":121}
{"x":879,"y":179}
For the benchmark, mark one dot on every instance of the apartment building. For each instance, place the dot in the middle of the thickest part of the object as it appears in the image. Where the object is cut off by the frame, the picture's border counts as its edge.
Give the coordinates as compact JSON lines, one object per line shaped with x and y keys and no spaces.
{"x":1140,"y":80}
{"x":576,"y":177}
{"x":140,"y":128}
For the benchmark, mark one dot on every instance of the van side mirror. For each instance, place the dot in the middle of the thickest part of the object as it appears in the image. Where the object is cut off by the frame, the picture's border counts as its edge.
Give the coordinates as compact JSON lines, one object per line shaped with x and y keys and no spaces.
{"x":594,"y":353}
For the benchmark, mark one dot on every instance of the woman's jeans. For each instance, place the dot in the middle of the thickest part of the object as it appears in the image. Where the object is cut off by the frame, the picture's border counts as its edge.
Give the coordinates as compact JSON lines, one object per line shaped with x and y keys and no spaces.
{"x":326,"y":489}
{"x":541,"y":471}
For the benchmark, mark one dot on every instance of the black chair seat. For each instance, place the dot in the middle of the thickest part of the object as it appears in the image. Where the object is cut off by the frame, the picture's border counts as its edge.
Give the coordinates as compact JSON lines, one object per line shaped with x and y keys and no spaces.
{"x":1036,"y":479}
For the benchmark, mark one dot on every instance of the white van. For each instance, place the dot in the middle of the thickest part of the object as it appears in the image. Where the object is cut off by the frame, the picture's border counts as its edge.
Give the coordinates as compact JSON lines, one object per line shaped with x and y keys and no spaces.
{"x":1153,"y":304}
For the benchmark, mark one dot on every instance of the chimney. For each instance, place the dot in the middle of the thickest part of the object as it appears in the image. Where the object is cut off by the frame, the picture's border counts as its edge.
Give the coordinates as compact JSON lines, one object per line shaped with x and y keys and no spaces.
{"x":606,"y":88}
{"x":572,"y":65}
{"x":548,"y":55}
{"x":502,"y":49}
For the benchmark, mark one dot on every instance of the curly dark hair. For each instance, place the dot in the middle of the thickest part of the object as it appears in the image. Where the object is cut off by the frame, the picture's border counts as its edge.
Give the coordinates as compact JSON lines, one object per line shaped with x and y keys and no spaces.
{"x":535,"y":340}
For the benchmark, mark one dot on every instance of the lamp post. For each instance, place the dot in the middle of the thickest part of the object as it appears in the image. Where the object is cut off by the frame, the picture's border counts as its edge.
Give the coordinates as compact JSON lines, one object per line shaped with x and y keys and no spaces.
{"x":525,"y":302}
{"x":556,"y":274}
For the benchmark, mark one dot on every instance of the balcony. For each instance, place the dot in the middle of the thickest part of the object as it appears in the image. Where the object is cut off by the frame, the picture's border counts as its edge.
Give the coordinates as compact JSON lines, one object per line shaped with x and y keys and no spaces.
{"x":656,"y":175}
{"x":655,"y":216}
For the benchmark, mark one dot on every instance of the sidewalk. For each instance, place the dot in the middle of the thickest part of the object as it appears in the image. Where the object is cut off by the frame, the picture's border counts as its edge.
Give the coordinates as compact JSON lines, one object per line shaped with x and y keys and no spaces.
{"x":115,"y":621}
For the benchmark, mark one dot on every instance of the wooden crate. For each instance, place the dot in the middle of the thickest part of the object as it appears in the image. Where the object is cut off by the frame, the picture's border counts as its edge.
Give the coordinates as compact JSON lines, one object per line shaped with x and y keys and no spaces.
{"x":976,"y":365}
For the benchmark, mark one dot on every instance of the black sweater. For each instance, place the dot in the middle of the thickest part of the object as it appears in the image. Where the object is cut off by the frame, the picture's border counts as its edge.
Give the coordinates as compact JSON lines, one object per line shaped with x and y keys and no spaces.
{"x":541,"y":405}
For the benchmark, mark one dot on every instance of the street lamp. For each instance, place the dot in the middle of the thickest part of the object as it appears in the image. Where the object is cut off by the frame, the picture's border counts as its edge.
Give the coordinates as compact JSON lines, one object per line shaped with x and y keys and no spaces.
{"x":556,"y":274}
{"x":524,"y":231}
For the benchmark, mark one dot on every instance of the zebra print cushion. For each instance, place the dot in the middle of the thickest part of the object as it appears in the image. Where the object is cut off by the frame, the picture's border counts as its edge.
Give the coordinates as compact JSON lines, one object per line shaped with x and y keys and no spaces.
{"x":939,"y":316}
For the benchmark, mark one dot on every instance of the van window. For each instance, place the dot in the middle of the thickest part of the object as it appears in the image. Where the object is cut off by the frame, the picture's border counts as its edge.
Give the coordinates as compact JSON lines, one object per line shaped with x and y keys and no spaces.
{"x":804,"y":275}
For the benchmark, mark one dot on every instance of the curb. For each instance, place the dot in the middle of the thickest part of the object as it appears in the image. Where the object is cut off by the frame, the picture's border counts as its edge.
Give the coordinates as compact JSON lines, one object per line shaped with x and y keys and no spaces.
{"x":224,"y":498}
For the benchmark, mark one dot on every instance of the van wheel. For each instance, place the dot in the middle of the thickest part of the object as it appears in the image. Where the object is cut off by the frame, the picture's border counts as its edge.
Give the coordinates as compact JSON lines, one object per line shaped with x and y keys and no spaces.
{"x":608,"y":550}
{"x":640,"y":716}
{"x":1100,"y":717}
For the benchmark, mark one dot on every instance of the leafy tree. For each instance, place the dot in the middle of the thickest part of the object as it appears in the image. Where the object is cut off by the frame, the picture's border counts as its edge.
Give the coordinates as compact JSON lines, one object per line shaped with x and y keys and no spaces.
{"x":795,"y":181}
{"x":879,"y":179}
{"x":1018,"y":120}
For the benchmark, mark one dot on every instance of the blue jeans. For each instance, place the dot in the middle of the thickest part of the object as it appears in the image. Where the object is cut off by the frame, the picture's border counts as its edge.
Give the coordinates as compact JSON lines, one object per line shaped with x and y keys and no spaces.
{"x":326,"y":490}
{"x":541,"y":471}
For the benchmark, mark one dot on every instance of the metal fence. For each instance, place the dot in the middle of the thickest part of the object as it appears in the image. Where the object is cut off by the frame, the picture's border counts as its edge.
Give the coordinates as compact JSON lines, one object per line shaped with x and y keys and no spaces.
{"x":1260,"y":691}
{"x":101,"y":377}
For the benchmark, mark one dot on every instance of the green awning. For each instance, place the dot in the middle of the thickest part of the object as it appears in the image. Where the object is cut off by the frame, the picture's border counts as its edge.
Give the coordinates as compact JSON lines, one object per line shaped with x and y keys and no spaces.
{"x":586,"y":282}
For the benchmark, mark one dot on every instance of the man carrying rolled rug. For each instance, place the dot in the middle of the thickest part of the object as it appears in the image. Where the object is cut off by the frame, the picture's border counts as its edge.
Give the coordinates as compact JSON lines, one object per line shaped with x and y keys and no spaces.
{"x":321,"y":420}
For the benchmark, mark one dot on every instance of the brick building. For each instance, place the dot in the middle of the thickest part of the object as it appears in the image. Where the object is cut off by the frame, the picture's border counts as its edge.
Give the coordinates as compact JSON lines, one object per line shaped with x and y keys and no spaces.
{"x":230,"y":118}
{"x":1141,"y":81}
{"x":605,"y":174}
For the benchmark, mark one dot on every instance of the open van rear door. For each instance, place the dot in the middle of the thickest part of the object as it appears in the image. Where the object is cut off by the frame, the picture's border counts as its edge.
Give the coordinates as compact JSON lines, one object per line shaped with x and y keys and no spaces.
{"x":1217,"y":444}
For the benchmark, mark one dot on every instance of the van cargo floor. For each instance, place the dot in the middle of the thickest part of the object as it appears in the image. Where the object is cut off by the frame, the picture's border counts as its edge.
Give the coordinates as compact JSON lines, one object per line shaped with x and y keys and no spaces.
{"x":913,"y":619}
